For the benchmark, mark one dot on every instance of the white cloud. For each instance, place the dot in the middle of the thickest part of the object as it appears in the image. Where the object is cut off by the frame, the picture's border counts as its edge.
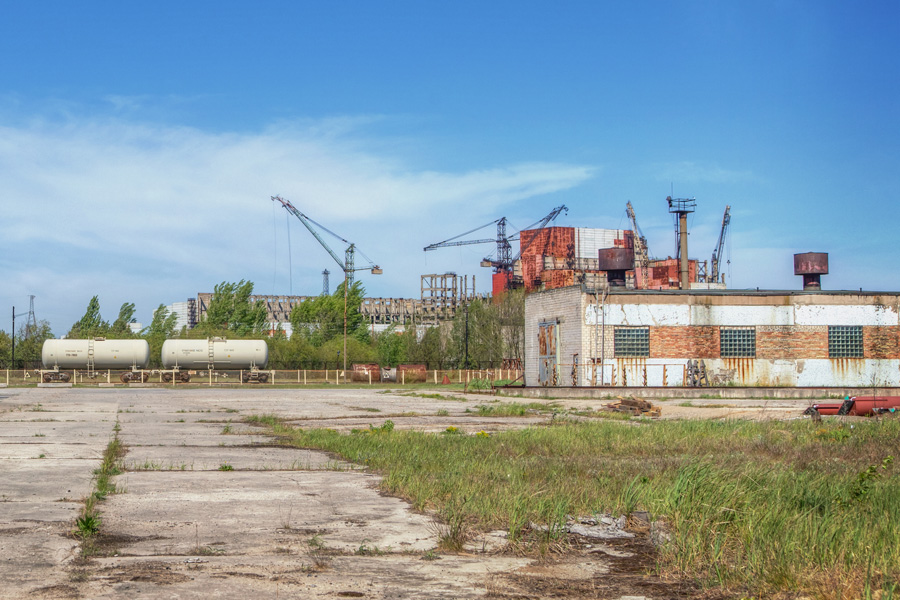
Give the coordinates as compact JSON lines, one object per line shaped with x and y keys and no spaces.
{"x":114,"y":208}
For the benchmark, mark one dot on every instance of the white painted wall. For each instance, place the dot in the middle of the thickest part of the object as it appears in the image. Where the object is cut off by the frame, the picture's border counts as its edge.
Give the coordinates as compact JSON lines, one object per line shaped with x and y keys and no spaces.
{"x":715,"y":315}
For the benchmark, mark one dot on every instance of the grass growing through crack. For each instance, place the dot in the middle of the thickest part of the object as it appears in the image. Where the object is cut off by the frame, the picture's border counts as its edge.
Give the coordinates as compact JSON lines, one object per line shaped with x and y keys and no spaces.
{"x":512,"y":409}
{"x":88,"y":523}
{"x":754,"y":507}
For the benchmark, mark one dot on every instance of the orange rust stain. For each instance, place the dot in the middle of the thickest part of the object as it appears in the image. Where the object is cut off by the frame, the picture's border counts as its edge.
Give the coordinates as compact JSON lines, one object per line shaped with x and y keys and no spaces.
{"x":742,"y":367}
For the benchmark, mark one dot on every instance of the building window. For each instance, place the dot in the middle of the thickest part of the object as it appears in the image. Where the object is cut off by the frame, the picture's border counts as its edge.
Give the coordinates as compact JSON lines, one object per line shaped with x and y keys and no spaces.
{"x":845,"y":341}
{"x":632,"y":341}
{"x":737,"y":342}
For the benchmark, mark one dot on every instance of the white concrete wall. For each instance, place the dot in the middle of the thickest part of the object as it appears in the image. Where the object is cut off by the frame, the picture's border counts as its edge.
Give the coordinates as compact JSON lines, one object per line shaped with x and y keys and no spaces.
{"x":736,"y":315}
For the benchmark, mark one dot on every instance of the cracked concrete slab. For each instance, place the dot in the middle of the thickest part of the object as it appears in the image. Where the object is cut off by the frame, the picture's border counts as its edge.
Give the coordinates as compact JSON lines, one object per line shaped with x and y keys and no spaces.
{"x":209,"y":507}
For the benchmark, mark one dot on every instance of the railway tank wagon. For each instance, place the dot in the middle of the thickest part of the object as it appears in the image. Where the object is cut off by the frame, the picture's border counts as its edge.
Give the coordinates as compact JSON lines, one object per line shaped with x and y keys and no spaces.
{"x":95,"y":354}
{"x":215,"y":353}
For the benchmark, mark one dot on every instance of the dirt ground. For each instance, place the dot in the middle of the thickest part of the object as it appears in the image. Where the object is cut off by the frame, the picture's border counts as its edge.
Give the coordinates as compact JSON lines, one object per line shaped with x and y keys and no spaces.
{"x":210,"y":508}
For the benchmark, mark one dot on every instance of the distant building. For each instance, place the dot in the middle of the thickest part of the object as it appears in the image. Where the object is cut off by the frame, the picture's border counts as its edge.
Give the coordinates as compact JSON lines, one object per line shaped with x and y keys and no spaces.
{"x":622,"y":337}
{"x":556,"y":257}
{"x":185,"y":312}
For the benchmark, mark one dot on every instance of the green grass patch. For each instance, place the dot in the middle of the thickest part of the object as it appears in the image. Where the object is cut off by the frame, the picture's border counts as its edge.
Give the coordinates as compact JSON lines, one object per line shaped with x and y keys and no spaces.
{"x":513,"y":409}
{"x":754,"y":508}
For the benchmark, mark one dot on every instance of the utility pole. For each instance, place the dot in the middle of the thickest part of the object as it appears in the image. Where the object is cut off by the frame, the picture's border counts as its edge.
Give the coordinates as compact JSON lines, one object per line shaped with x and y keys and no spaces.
{"x":467,"y":337}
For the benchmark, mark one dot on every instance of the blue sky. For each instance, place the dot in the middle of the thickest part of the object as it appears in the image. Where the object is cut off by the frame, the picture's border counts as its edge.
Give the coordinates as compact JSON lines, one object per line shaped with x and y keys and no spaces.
{"x":140,"y":142}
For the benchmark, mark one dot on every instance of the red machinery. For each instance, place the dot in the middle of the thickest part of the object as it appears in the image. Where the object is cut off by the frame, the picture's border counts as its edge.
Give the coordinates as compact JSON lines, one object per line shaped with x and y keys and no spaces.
{"x":858,"y":406}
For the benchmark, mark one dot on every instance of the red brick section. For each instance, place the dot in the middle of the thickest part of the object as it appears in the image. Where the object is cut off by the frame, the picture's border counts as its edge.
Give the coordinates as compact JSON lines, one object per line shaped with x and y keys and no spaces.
{"x":790,"y":342}
{"x":881,"y":342}
{"x":684,"y":342}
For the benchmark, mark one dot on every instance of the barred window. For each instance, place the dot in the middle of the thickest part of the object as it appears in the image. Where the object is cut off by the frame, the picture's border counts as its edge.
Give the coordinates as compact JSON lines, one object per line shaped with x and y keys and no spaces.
{"x":737,"y":342}
{"x":632,"y":341}
{"x":845,"y":341}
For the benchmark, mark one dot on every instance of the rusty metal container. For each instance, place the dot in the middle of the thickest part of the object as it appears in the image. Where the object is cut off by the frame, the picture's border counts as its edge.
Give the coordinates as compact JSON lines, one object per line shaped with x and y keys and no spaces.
{"x":616,"y":259}
{"x":811,"y":265}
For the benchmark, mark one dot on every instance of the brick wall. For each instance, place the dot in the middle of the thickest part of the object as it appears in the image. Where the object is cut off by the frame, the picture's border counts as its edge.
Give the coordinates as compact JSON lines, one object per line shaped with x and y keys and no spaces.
{"x":791,"y":342}
{"x":684,"y":342}
{"x":881,"y":342}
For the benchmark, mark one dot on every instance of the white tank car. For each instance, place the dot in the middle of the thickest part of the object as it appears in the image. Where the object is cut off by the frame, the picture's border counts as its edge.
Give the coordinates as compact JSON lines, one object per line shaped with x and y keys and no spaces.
{"x":215,"y":353}
{"x":95,"y":354}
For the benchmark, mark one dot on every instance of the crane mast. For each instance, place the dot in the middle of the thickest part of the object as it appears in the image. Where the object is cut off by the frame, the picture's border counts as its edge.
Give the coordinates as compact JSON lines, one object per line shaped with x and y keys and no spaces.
{"x":717,"y":253}
{"x":641,"y":252}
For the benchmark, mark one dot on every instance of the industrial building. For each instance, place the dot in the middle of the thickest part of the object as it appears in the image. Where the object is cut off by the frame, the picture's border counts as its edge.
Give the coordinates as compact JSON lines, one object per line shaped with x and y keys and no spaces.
{"x":614,"y":336}
{"x":441,"y":296}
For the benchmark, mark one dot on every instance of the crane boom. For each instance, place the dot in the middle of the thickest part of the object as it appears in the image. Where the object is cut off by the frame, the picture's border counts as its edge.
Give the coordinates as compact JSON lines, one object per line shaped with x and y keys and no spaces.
{"x":504,"y":261}
{"x":717,"y":253}
{"x":540,"y":225}
{"x":347,"y":265}
{"x":641,"y":252}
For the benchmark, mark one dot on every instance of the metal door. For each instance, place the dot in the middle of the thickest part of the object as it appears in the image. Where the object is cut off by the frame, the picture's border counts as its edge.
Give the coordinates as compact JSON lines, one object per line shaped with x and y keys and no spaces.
{"x":548,"y":353}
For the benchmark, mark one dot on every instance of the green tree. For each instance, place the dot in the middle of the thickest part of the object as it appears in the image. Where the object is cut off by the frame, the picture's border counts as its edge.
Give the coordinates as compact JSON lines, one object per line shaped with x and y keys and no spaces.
{"x":29,"y":344}
{"x":160,"y":329}
{"x":5,"y":348}
{"x":121,"y":327}
{"x":321,"y":319}
{"x":231,"y":312}
{"x":91,"y":324}
{"x":393,"y":346}
{"x":431,"y":349}
{"x":495,"y":331}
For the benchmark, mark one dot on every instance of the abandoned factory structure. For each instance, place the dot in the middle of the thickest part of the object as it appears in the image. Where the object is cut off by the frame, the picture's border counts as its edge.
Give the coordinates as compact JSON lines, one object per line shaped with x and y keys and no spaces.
{"x":576,"y":336}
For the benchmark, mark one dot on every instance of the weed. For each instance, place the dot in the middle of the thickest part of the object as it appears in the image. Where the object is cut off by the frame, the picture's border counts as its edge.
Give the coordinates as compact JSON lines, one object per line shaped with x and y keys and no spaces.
{"x":366,"y":550}
{"x":442,"y":412}
{"x":39,"y":435}
{"x":316,"y":551}
{"x":454,"y":524}
{"x":226,"y":467}
{"x":227,"y":429}
{"x":88,"y":524}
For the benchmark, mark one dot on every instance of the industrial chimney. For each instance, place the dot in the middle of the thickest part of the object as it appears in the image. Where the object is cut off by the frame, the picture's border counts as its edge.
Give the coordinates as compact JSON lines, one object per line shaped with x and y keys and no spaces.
{"x":812,"y":265}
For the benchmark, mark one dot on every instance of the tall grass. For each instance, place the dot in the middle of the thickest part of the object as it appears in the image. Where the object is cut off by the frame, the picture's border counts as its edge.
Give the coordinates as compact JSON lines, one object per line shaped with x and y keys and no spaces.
{"x":756,"y":507}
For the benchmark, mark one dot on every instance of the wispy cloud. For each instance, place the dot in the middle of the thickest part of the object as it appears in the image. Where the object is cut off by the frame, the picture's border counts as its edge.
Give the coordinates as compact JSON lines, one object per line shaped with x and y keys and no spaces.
{"x":155,"y":209}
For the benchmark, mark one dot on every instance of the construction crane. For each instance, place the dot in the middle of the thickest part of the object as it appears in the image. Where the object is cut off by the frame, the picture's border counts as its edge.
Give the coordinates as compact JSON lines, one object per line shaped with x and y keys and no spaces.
{"x":717,"y":253}
{"x":347,"y":265}
{"x":505,"y":260}
{"x":641,"y":251}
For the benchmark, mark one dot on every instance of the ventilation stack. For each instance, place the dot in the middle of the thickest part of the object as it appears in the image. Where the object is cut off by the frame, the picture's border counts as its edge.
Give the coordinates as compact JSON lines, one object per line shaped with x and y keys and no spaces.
{"x":812,"y":265}
{"x":615,"y":261}
{"x":682,"y":207}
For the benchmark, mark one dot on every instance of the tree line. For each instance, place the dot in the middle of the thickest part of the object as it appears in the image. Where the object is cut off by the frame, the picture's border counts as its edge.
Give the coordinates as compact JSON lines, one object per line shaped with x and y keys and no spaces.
{"x":483,"y":334}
